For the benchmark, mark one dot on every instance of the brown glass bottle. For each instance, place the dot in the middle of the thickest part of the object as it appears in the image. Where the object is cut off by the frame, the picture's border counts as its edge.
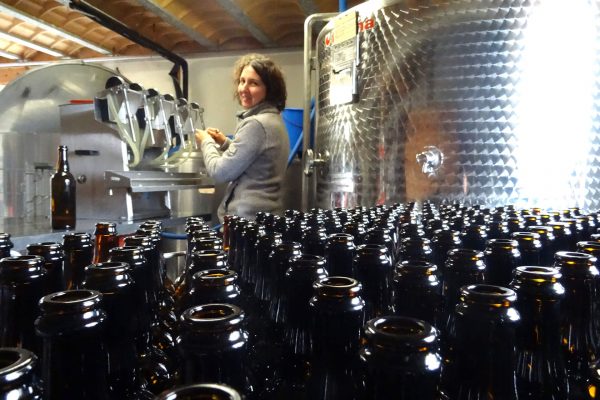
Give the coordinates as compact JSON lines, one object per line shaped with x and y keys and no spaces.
{"x":374,"y":269}
{"x":463,"y":267}
{"x":114,"y":281}
{"x":339,"y":252}
{"x":74,"y":361}
{"x":442,"y":242}
{"x":62,"y":193}
{"x":547,"y":240}
{"x":214,"y":347}
{"x":481,"y":356}
{"x":79,"y":253}
{"x":227,"y":220}
{"x":401,"y":359}
{"x":280,"y":259}
{"x":54,"y":257}
{"x":105,"y":239}
{"x":337,"y":313}
{"x":5,"y":245}
{"x":530,"y":247}
{"x":501,"y":257}
{"x":23,"y":280}
{"x":417,"y":291}
{"x":218,"y":285}
{"x":579,"y":327}
{"x":18,"y":379}
{"x":540,"y":370}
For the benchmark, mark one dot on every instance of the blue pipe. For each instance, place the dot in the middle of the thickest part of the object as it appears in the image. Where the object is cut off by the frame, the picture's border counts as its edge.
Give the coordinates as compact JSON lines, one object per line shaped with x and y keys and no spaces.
{"x":182,"y":236}
{"x":176,"y":236}
{"x":298,"y":143}
{"x":343,"y":5}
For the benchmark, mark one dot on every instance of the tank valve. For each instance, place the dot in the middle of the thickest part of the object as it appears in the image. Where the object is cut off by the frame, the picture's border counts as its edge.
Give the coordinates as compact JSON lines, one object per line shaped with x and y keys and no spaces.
{"x":311,"y":162}
{"x":430,"y":160}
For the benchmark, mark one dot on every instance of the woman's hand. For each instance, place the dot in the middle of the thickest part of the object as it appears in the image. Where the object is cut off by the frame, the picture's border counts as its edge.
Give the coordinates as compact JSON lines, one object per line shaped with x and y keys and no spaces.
{"x":201,"y":135}
{"x":217,"y":135}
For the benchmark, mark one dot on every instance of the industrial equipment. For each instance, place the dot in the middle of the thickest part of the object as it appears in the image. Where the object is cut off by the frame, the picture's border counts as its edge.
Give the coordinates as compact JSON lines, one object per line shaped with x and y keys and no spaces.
{"x":126,"y":149}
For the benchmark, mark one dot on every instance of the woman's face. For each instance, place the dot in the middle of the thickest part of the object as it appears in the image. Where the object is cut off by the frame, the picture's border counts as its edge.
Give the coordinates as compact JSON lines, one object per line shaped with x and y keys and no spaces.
{"x":251,"y":89}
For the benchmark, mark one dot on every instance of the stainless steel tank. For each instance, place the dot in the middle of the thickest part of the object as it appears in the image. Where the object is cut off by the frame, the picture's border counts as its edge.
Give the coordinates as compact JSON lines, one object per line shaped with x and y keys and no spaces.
{"x":490,"y":101}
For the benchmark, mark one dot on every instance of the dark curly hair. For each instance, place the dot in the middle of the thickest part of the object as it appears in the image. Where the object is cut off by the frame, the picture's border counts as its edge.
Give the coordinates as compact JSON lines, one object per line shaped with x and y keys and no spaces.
{"x":269,"y":73}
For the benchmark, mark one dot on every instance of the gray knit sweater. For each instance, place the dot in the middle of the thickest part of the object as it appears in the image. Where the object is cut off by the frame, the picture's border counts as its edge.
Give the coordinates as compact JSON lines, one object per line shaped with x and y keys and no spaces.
{"x":254,"y":163}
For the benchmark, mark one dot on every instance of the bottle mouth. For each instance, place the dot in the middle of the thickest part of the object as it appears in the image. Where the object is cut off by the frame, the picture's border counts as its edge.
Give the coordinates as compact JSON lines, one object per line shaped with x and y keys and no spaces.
{"x":29,"y":259}
{"x":537,"y":273}
{"x":213,"y":314}
{"x":416,"y":267}
{"x":530,"y":236}
{"x":400,"y":332}
{"x":338,"y":286}
{"x":503,"y":243}
{"x":15,"y":363}
{"x":498,"y":296}
{"x":215,"y":277}
{"x":588,"y":246}
{"x":462,"y":253}
{"x":341,"y":237}
{"x":113,"y":267}
{"x":571,"y":257}
{"x":310,"y":261}
{"x":201,"y":391}
{"x":71,"y":301}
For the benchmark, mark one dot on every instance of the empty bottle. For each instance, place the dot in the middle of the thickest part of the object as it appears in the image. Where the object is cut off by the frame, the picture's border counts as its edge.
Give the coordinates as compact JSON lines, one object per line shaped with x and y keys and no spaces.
{"x":417,"y":291}
{"x":79,"y":253}
{"x":540,"y":368}
{"x":18,"y":375}
{"x":213,"y":345}
{"x":480,"y":361}
{"x":63,"y":193}
{"x":579,"y":325}
{"x":74,"y":359}
{"x":337,"y":318}
{"x":401,"y":359}
{"x":105,"y":239}
{"x":23,"y":281}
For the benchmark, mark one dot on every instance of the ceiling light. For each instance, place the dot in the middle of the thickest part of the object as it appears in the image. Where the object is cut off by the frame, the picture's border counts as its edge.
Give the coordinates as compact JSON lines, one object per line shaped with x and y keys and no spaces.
{"x":51,"y":28}
{"x":9,"y":55}
{"x":31,"y":45}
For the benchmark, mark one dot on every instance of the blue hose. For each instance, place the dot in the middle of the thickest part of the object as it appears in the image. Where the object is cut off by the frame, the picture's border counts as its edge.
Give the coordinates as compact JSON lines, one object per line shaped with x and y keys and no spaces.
{"x":183,"y":236}
{"x":176,"y":236}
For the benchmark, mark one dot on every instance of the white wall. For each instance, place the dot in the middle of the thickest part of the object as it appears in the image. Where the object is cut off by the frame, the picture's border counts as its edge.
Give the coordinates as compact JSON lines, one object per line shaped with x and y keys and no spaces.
{"x":211,"y":82}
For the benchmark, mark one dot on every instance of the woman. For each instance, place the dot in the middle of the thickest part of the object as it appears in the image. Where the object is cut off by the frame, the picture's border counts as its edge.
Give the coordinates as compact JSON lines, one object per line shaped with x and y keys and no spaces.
{"x":255,"y":161}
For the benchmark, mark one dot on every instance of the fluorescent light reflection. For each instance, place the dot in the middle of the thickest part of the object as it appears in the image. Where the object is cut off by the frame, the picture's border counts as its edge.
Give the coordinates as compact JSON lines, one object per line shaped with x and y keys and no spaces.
{"x":555,"y":103}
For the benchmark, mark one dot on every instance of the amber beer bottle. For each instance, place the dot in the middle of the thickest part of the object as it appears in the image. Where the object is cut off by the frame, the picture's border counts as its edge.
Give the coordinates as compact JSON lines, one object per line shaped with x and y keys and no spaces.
{"x":62,"y":192}
{"x":105,"y":239}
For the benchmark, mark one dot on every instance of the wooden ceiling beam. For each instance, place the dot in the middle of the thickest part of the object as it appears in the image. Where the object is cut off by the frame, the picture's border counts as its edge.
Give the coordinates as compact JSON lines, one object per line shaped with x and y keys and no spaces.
{"x":234,"y":10}
{"x":169,"y":18}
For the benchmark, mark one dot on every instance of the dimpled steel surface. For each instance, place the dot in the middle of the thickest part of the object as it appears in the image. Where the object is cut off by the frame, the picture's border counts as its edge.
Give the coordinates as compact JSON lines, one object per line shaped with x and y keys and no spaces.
{"x":507,"y":91}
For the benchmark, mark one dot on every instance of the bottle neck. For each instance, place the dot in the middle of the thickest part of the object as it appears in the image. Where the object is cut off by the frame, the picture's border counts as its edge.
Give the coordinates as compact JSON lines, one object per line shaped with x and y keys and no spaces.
{"x":63,"y":161}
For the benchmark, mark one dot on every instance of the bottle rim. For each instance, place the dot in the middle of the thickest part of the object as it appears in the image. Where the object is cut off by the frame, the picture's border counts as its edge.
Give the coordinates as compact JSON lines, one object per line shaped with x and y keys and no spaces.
{"x":15,"y":363}
{"x":400,"y":331}
{"x":498,"y":296}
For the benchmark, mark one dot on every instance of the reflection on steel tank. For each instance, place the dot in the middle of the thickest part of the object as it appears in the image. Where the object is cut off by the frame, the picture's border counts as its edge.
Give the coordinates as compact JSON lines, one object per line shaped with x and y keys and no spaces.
{"x":492,"y":102}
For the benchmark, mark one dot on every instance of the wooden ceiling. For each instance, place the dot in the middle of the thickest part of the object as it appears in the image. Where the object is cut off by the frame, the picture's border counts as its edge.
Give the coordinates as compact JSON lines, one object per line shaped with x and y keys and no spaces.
{"x":35,"y":31}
